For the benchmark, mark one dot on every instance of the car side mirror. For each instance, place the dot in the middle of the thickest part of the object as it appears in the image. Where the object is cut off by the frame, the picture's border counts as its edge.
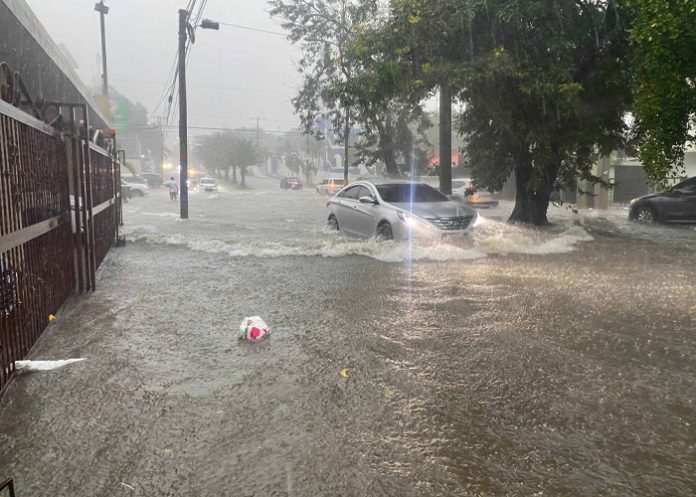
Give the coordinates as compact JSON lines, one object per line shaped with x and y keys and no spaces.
{"x":367,"y":200}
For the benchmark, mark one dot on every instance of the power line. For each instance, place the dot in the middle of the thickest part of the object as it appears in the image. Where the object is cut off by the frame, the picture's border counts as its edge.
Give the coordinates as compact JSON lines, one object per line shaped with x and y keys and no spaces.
{"x":253,"y":29}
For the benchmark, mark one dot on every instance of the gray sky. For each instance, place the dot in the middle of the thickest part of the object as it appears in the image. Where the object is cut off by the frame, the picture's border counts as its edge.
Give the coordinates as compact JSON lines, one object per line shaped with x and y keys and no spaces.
{"x":234,"y":75}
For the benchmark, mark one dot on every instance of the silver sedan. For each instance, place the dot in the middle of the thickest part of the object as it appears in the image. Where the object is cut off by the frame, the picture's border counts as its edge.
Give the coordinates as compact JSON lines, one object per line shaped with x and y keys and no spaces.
{"x":388,"y":209}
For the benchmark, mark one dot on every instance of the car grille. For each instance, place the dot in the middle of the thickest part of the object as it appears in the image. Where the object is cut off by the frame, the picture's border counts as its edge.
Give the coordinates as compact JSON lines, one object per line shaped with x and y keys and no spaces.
{"x":452,"y":223}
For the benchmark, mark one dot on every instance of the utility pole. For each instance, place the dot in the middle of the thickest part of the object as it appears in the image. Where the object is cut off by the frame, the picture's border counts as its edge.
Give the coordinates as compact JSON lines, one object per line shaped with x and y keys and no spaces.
{"x":103,"y":10}
{"x":445,"y":140}
{"x":183,"y":130}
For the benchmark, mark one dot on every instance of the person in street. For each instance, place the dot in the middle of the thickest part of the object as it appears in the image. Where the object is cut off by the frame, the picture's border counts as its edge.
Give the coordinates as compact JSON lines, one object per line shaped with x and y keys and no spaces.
{"x":173,"y":188}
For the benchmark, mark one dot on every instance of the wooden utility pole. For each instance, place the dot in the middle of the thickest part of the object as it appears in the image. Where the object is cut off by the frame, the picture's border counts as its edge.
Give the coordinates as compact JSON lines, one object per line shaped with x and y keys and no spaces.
{"x":183,"y":129}
{"x":445,"y":140}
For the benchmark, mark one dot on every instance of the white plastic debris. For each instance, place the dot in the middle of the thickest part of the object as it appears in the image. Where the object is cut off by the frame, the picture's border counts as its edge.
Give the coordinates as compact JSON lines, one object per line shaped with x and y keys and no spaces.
{"x":44,"y":365}
{"x":254,"y":329}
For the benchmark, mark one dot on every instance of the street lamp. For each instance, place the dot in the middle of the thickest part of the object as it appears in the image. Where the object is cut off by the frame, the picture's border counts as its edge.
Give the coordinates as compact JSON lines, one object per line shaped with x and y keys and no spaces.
{"x":185,"y":30}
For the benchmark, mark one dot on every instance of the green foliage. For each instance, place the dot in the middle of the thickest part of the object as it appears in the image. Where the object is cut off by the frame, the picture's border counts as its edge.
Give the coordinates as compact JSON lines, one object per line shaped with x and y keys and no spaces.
{"x":324,"y":29}
{"x":543,"y":85}
{"x":663,"y":39}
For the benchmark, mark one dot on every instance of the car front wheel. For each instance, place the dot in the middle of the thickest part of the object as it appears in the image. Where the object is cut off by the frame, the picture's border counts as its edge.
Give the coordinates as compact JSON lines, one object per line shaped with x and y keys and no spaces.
{"x":645,"y":215}
{"x":384,"y":232}
{"x":332,"y":223}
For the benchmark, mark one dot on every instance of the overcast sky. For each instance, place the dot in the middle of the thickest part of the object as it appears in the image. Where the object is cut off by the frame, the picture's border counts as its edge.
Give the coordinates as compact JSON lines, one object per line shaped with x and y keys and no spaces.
{"x":234,"y":75}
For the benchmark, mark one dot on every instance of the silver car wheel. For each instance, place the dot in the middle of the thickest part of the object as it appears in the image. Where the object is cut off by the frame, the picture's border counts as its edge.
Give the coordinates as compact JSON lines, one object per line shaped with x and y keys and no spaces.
{"x":645,"y":215}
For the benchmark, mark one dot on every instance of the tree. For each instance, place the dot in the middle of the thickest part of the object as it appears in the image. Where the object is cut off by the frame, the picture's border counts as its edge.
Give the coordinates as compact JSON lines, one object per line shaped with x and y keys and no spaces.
{"x":545,"y":96}
{"x":663,"y":38}
{"x":425,"y":43}
{"x":228,"y":150}
{"x":325,"y":28}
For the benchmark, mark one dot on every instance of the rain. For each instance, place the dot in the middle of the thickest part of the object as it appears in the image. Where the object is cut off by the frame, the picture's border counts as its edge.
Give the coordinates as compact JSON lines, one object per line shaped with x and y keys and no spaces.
{"x":408,"y":327}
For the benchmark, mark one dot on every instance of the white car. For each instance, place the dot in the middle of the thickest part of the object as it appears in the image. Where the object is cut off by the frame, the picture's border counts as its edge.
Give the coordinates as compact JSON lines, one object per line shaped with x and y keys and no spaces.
{"x":330,"y":186}
{"x":136,"y":189}
{"x":470,"y":194}
{"x":208,"y":185}
{"x":391,"y":209}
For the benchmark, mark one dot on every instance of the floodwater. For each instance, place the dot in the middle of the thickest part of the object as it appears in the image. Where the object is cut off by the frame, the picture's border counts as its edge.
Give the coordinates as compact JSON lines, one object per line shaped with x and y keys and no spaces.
{"x":512,"y":363}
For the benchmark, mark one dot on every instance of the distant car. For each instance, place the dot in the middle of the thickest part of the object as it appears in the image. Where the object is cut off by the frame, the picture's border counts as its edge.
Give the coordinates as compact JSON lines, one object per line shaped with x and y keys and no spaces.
{"x":291,"y":183}
{"x":470,"y":194}
{"x":134,"y":189}
{"x":330,"y":186}
{"x":153,"y":179}
{"x":388,"y":209}
{"x":676,"y":205}
{"x":208,"y":185}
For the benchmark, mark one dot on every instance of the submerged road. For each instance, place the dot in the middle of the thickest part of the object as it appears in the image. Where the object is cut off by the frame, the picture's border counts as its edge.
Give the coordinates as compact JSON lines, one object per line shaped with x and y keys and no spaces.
{"x":512,"y":363}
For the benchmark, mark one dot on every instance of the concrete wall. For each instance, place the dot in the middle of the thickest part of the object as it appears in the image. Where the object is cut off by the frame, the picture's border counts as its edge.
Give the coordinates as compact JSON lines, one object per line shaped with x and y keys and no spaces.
{"x":27,"y":48}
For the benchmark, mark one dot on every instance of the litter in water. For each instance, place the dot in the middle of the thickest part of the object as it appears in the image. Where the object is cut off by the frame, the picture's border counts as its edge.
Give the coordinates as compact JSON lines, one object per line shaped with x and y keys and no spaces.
{"x":254,"y":329}
{"x":344,"y":373}
{"x":44,"y":365}
{"x":51,"y":317}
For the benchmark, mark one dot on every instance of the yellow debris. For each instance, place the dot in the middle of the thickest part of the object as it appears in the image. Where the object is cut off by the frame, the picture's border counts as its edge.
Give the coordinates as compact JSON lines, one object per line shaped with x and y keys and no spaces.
{"x":51,"y":317}
{"x":344,"y":373}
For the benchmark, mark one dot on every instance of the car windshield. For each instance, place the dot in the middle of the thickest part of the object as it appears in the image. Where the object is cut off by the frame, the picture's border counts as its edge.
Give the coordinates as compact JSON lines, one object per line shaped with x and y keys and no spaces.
{"x":207,"y":182}
{"x":402,"y":193}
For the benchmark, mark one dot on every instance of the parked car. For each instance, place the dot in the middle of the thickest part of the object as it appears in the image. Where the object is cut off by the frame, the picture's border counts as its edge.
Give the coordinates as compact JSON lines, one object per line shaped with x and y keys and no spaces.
{"x":291,"y":183}
{"x":133,"y":179}
{"x":153,"y":179}
{"x":134,"y":189}
{"x":387,"y":209}
{"x":208,"y":185}
{"x":470,"y":194}
{"x":330,"y":186}
{"x":125,"y":190}
{"x":676,"y":205}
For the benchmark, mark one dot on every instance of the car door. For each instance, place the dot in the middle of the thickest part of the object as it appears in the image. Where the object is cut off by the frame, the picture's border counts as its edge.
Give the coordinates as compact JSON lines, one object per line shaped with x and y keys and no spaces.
{"x":687,"y":204}
{"x":365,"y":215}
{"x":345,"y":212}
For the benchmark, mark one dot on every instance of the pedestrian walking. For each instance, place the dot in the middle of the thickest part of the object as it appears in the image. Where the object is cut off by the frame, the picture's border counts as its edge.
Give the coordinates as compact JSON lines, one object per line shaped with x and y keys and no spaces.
{"x":173,"y":188}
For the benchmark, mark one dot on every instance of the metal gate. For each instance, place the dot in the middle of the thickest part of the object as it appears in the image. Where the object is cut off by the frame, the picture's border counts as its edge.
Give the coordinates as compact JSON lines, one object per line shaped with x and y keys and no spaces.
{"x":59,"y":213}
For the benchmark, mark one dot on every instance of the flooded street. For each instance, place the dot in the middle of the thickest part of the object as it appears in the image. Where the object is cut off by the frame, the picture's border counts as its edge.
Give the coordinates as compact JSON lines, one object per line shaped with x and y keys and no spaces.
{"x":557,"y":362}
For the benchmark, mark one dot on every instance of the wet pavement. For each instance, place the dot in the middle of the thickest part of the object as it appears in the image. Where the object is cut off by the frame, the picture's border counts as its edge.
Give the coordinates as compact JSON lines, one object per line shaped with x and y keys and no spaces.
{"x":515,"y":362}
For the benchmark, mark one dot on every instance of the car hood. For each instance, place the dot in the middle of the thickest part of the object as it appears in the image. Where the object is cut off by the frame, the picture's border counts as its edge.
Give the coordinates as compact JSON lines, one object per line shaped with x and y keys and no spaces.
{"x":648,"y":197}
{"x":433,"y":210}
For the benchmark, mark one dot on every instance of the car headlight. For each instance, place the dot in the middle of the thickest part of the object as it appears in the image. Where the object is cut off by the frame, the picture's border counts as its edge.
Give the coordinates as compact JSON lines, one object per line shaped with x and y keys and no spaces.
{"x":633,"y":201}
{"x":412,"y":221}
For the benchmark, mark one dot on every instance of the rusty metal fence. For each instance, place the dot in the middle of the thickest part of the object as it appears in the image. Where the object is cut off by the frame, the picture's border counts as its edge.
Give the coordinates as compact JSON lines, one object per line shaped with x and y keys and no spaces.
{"x":59,"y":213}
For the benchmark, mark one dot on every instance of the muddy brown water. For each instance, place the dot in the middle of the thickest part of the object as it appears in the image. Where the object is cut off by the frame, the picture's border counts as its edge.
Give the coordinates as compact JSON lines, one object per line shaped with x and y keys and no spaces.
{"x":500,"y":370}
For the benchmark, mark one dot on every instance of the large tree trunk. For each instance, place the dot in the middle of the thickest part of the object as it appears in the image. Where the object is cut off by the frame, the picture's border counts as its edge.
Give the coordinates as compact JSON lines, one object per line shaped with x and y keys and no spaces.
{"x":227,"y":173}
{"x":531,"y":204}
{"x":242,"y":170}
{"x":445,"y":140}
{"x":234,"y":174}
{"x":386,"y":145}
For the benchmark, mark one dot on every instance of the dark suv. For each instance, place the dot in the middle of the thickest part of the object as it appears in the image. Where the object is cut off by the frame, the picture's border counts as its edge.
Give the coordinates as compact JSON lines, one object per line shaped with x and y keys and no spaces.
{"x":676,"y":205}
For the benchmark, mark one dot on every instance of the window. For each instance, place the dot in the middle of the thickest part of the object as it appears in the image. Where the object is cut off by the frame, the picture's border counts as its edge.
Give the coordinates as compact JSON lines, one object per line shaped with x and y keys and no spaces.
{"x":404,"y":193}
{"x":351,"y":193}
{"x":364,"y":192}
